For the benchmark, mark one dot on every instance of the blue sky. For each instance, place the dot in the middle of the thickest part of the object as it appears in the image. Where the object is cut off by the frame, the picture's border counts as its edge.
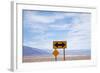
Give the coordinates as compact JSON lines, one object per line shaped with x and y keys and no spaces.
{"x":41,"y":28}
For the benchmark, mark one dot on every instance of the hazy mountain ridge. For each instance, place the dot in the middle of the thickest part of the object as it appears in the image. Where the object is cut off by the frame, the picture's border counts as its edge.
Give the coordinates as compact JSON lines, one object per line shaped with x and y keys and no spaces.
{"x":29,"y":51}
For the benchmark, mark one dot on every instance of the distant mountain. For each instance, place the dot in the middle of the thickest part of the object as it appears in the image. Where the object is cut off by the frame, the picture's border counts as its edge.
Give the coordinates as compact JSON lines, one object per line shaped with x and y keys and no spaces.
{"x":77,"y":52}
{"x":29,"y":51}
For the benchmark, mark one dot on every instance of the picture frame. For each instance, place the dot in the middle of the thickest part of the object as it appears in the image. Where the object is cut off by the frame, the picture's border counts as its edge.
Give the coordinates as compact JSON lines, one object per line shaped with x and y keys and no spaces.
{"x":17,"y":36}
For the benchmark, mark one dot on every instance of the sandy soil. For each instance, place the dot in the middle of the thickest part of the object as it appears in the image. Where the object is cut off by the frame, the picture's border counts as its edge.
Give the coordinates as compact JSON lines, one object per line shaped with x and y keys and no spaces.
{"x":52,"y":58}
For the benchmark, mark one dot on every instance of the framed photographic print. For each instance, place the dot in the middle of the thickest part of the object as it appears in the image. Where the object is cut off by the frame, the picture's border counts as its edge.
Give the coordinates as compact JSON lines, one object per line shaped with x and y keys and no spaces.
{"x":52,"y":36}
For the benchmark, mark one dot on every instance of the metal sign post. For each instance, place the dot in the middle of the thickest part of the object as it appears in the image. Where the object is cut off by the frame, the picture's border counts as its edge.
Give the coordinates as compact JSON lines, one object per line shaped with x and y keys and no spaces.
{"x":64,"y":53}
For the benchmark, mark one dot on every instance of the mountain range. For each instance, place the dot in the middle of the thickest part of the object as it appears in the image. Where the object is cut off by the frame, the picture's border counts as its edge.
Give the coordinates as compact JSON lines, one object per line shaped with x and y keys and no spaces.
{"x":30,"y":51}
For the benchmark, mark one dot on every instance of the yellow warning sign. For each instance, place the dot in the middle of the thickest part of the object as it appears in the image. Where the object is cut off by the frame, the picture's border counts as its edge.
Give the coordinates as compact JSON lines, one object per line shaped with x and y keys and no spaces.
{"x":55,"y":53}
{"x":59,"y":44}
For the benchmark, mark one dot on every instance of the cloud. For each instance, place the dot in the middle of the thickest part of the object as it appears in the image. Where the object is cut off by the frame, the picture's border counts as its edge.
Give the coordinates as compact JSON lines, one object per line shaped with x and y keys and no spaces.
{"x":48,"y":26}
{"x":38,"y":17}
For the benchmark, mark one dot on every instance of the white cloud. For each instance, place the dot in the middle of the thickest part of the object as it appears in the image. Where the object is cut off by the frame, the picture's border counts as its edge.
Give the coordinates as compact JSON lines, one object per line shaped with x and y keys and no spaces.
{"x":38,"y":28}
{"x":59,"y":26}
{"x":33,"y":16}
{"x":41,"y":44}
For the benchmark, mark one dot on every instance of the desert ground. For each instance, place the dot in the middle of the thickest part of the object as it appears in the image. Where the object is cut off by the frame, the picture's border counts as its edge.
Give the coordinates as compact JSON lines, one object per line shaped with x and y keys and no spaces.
{"x":27,"y":59}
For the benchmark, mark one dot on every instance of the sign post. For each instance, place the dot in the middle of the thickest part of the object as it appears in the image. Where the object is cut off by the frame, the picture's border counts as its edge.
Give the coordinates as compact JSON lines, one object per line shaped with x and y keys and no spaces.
{"x":64,"y":53}
{"x":59,"y":45}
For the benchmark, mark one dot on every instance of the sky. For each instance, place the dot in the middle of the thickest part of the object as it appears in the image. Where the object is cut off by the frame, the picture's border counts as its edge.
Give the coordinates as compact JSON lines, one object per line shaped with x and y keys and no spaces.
{"x":41,"y":28}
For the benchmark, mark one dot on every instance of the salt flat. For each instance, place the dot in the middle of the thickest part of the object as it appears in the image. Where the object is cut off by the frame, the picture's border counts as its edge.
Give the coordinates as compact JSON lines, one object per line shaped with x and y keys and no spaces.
{"x":44,"y":58}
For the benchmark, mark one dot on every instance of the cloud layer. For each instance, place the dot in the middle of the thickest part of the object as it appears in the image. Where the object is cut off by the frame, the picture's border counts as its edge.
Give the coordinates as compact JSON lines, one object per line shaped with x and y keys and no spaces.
{"x":41,"y":28}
